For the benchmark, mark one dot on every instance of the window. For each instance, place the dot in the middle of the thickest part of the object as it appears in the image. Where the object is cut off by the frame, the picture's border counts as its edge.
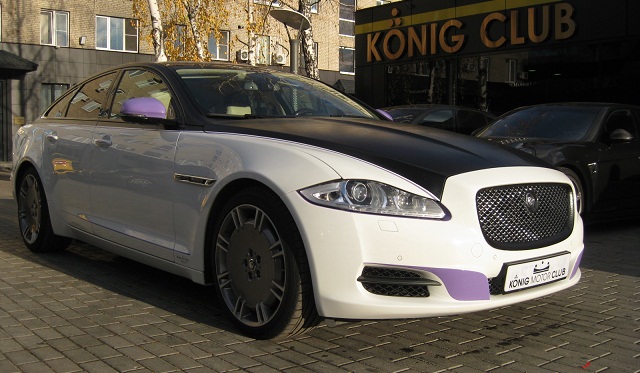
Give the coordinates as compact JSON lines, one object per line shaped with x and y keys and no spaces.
{"x":90,"y":101}
{"x":142,"y":83}
{"x":513,"y":65}
{"x":268,"y":2}
{"x":179,"y":42}
{"x":50,"y":92}
{"x":347,"y":17}
{"x":382,"y":2}
{"x":219,"y":49}
{"x":347,"y":60}
{"x":117,"y":34}
{"x":314,"y":6}
{"x":54,"y":28}
{"x":263,"y":50}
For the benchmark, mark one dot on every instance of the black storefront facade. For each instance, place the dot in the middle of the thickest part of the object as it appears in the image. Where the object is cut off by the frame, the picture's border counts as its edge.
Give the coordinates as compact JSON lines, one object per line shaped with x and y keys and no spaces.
{"x":498,"y":55}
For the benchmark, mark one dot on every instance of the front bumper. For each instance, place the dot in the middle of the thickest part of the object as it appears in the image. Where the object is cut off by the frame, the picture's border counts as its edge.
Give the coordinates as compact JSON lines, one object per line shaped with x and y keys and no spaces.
{"x":451,"y":253}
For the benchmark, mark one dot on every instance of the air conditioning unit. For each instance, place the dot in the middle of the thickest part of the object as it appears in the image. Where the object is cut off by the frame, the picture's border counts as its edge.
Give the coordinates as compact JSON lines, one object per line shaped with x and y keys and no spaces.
{"x":280,"y":59}
{"x":242,"y":55}
{"x":523,"y":75}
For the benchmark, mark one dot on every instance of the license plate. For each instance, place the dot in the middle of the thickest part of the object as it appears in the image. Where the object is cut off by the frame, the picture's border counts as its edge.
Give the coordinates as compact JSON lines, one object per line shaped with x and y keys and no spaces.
{"x":536,"y":272}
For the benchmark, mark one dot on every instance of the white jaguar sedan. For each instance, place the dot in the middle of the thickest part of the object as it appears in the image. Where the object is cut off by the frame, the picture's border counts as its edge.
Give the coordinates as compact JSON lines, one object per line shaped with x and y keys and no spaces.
{"x":296,"y":202}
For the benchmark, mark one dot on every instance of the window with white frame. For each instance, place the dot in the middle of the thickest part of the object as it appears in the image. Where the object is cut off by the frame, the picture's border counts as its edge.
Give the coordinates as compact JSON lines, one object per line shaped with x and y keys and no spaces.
{"x":54,"y":28}
{"x":219,"y":48}
{"x":268,"y":2}
{"x":50,"y":92}
{"x":117,"y":34}
{"x":347,"y":60}
{"x":382,"y":2}
{"x":314,"y":6}
{"x":347,"y":18}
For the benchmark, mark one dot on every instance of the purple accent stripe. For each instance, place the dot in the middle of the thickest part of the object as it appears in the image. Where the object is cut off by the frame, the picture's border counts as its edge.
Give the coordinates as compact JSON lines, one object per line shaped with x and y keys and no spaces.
{"x":463,"y":285}
{"x":577,"y":265}
{"x":460,"y":284}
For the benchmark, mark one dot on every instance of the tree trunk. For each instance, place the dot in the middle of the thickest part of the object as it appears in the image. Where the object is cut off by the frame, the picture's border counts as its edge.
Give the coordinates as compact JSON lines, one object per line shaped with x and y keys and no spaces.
{"x":308,"y":50}
{"x":156,"y":31}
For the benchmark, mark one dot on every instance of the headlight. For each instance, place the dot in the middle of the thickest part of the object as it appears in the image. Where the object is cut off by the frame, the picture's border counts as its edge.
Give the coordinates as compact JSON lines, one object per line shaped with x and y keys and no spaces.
{"x":373,"y":197}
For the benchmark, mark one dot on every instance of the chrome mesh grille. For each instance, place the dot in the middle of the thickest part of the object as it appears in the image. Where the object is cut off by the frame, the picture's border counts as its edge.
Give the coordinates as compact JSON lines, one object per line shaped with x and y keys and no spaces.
{"x":519,"y":217}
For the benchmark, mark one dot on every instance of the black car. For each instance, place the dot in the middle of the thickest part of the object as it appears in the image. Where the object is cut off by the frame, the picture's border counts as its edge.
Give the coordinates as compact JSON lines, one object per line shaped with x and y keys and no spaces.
{"x":595,"y":144}
{"x":447,"y":117}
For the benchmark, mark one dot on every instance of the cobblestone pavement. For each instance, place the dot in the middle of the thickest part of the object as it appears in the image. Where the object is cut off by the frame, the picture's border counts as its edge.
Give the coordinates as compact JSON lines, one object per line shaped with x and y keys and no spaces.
{"x":89,"y":310}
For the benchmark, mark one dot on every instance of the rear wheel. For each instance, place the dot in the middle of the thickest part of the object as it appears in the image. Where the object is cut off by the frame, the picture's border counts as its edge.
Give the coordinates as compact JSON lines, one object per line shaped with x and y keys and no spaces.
{"x":577,"y":185}
{"x":33,"y":216}
{"x":261,"y":268}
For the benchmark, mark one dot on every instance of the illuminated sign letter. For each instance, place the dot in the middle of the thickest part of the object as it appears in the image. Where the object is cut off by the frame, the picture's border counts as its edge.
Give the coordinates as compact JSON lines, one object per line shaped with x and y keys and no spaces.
{"x":515,"y":39}
{"x":385,"y":44}
{"x":563,"y":19}
{"x":539,"y":38}
{"x":371,"y":47}
{"x":458,"y":39}
{"x":484,"y":30}
{"x":416,"y":41}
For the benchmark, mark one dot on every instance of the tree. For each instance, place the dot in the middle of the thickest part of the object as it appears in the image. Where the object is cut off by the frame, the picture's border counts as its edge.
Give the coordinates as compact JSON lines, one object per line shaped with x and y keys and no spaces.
{"x":186,"y":25}
{"x":308,"y":50}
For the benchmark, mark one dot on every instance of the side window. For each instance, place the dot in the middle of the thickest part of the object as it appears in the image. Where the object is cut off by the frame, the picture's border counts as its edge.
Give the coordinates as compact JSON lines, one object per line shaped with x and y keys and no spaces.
{"x":439,"y":119}
{"x":59,"y":109}
{"x":90,"y":101}
{"x":137,"y":83}
{"x":469,"y":121}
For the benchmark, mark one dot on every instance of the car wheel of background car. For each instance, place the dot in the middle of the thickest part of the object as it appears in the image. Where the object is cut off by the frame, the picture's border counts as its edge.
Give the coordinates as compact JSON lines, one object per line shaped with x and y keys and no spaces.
{"x":33,"y":216}
{"x":261,"y":267}
{"x":580,"y":197}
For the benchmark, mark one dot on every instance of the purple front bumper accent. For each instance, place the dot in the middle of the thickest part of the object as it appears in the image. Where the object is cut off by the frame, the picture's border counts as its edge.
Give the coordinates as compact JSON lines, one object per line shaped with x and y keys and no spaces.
{"x":461,"y":284}
{"x":577,"y":265}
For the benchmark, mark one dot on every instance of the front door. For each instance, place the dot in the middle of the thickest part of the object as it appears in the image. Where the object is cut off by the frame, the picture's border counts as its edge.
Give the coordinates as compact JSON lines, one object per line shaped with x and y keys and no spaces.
{"x":132,"y":173}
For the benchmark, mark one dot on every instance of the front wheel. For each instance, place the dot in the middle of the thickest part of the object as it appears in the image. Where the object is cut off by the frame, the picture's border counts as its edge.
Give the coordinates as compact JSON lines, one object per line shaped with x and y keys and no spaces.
{"x":261,"y":268}
{"x":33,"y":216}
{"x":577,"y":185}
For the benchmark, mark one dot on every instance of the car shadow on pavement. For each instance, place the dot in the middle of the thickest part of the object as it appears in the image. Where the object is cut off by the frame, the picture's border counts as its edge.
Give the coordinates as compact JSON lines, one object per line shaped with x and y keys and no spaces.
{"x":613,"y":247}
{"x":111,"y":273}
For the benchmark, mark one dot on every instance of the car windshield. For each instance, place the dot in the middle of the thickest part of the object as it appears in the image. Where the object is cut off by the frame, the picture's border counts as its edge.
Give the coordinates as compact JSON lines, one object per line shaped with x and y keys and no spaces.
{"x":404,"y":115}
{"x":549,"y":122}
{"x":221,"y":92}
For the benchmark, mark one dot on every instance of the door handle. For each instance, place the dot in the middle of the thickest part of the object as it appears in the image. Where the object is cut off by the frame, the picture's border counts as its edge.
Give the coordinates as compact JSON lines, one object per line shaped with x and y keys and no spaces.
{"x":103,"y":143}
{"x":52,"y":137}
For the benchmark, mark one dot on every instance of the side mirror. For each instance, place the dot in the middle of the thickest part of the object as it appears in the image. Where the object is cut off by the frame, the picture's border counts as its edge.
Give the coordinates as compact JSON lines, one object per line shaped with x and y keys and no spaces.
{"x":386,"y":115}
{"x":620,"y":135}
{"x":135,"y":109}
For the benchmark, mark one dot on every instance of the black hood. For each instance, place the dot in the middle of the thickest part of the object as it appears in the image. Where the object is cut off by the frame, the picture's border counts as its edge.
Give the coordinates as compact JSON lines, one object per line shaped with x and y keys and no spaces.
{"x":423,"y":155}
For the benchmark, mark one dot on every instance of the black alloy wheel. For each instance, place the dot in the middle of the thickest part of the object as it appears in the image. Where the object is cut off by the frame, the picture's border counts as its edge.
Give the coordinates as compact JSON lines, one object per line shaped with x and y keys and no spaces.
{"x":261,"y":268}
{"x":33,"y":216}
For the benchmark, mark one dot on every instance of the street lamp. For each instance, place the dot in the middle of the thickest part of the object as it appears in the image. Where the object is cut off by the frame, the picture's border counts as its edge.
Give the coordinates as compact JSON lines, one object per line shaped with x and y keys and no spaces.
{"x":295,"y":20}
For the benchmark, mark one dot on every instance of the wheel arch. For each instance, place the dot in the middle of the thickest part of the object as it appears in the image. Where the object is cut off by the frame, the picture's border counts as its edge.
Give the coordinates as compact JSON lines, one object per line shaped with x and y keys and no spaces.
{"x":587,"y":188}
{"x":222,"y":196}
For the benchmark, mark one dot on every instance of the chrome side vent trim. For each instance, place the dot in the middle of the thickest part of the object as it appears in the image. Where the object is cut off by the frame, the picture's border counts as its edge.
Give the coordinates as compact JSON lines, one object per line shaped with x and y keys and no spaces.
{"x":195,"y":180}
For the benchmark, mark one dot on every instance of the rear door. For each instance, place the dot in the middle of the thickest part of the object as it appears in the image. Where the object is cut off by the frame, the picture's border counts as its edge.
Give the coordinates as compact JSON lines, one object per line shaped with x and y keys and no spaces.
{"x":132,"y":175}
{"x":69,"y":126}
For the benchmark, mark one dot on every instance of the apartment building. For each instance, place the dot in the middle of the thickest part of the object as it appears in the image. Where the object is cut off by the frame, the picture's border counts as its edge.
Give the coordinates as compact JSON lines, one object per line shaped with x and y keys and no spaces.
{"x":46,"y":46}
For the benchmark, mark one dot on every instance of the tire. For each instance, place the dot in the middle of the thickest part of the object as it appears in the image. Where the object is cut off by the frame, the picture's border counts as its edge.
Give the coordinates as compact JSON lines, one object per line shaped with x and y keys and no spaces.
{"x":577,"y":185}
{"x":260,"y":266}
{"x":33,"y":216}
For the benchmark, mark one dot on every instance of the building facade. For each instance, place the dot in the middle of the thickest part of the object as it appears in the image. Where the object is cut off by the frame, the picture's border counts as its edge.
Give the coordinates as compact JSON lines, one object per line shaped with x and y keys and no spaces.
{"x":46,"y":46}
{"x":498,"y":55}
